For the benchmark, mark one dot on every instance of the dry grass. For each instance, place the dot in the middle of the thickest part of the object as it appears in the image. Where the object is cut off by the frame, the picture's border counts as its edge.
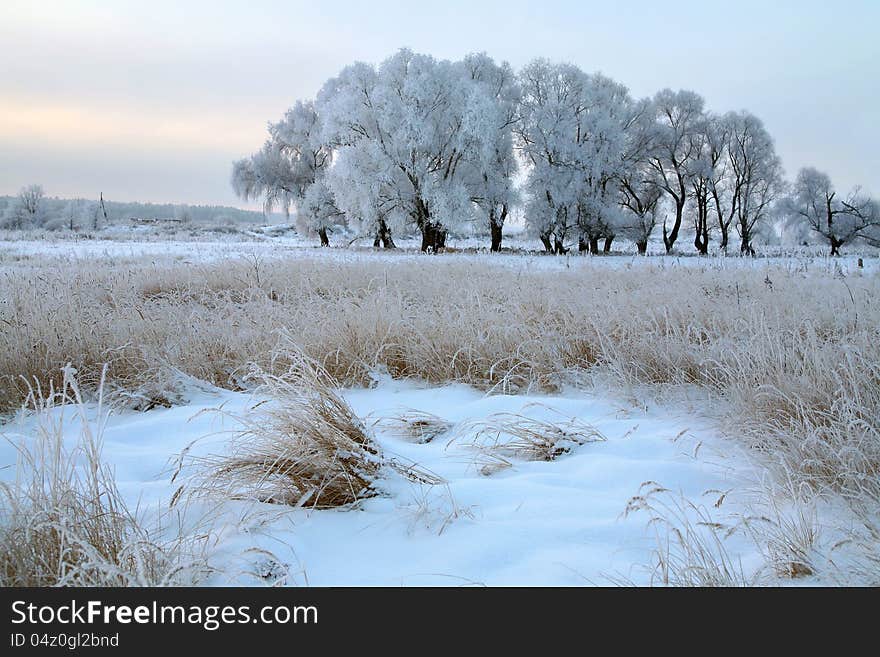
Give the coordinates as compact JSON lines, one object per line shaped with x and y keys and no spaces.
{"x":63,"y":522}
{"x":414,"y":426}
{"x":438,"y":320}
{"x":790,"y":355}
{"x":434,"y":508}
{"x":301,"y":445}
{"x":501,"y":437}
{"x":691,"y":548}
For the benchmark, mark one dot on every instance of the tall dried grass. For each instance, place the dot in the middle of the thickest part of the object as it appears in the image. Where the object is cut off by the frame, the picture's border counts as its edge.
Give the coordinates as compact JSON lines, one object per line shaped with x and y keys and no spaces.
{"x":300,"y":445}
{"x":691,"y":548}
{"x":798,"y":357}
{"x":790,"y":357}
{"x":63,"y":522}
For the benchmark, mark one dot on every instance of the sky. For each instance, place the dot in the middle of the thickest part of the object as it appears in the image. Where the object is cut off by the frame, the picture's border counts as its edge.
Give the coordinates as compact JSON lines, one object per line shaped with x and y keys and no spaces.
{"x":152,"y":101}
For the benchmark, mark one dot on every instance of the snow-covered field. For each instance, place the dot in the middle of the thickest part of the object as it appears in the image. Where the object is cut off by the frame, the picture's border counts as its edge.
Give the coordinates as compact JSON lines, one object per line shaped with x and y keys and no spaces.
{"x":536,"y":523}
{"x":557,"y":522}
{"x":294,"y":246}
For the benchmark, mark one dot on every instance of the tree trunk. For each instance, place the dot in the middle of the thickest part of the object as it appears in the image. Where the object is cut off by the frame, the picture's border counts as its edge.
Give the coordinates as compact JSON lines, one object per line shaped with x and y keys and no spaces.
{"x":746,"y":246}
{"x":701,"y":236}
{"x":701,"y":221}
{"x":559,"y":248}
{"x":496,"y":236}
{"x":669,"y":239}
{"x":835,"y":246}
{"x":383,"y":236}
{"x":607,"y":247}
{"x":428,"y":238}
{"x":496,"y":226}
{"x":583,"y":245}
{"x":545,"y":240}
{"x":723,"y":236}
{"x":433,"y":237}
{"x":594,"y":245}
{"x":642,"y":246}
{"x":322,"y":234}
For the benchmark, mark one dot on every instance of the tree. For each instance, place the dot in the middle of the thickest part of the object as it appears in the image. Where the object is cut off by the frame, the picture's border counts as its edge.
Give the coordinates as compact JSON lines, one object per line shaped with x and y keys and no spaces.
{"x":407,"y":118}
{"x":292,"y":160}
{"x":604,"y":120}
{"x":547,"y":138}
{"x":724,"y":187}
{"x":839,"y":221}
{"x":638,"y":187}
{"x":706,"y":171}
{"x":362,"y":184}
{"x":74,"y":214}
{"x":573,"y":132}
{"x":640,"y":196}
{"x":27,"y":210}
{"x":489,"y":165}
{"x":317,"y":210}
{"x":757,"y":175}
{"x":679,"y":118}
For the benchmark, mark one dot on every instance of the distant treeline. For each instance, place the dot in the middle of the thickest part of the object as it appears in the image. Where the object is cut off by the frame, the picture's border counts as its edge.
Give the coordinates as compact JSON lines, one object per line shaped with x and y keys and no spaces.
{"x":32,"y":209}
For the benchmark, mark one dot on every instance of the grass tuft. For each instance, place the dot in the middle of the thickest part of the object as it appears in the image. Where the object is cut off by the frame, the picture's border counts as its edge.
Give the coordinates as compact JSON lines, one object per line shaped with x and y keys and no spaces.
{"x":300,"y":445}
{"x":414,"y":426}
{"x":504,"y":436}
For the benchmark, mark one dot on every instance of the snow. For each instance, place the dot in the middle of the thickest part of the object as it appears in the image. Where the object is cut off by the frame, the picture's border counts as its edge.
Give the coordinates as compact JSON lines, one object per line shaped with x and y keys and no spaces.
{"x":538,"y":523}
{"x":297,"y":247}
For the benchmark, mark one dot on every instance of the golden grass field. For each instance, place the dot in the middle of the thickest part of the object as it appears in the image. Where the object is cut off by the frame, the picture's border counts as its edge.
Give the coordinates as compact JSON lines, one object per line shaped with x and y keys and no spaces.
{"x":786,"y":358}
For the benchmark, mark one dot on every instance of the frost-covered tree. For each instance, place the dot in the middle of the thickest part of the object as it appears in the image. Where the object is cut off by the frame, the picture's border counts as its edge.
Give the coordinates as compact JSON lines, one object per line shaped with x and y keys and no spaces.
{"x":757,"y":175}
{"x":408,"y":118}
{"x":75,"y":214}
{"x":265,"y":176}
{"x":639,"y":190}
{"x":292,"y":160}
{"x":815,"y":202}
{"x":27,"y":210}
{"x":318,"y":209}
{"x":603,"y":127}
{"x":551,"y":95}
{"x":367,"y":199}
{"x":724,"y":184}
{"x":489,"y":165}
{"x":640,"y":198}
{"x":573,"y":131}
{"x":705,"y":173}
{"x":679,"y":120}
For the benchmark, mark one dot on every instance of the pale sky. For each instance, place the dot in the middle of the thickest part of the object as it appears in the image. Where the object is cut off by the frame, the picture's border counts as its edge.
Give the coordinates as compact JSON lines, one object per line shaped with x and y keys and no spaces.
{"x":151,"y":101}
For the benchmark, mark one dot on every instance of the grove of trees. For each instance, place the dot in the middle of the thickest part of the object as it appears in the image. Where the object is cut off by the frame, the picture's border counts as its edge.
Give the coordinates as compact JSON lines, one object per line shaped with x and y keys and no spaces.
{"x":427,"y":146}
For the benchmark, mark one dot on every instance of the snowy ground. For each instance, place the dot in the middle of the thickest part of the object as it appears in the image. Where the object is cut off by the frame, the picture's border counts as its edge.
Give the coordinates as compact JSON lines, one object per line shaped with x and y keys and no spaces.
{"x":537,"y":523}
{"x":12,"y":253}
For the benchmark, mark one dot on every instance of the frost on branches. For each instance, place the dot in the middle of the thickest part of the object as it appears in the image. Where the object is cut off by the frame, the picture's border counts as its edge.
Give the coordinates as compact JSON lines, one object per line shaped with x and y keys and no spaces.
{"x":417,"y":145}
